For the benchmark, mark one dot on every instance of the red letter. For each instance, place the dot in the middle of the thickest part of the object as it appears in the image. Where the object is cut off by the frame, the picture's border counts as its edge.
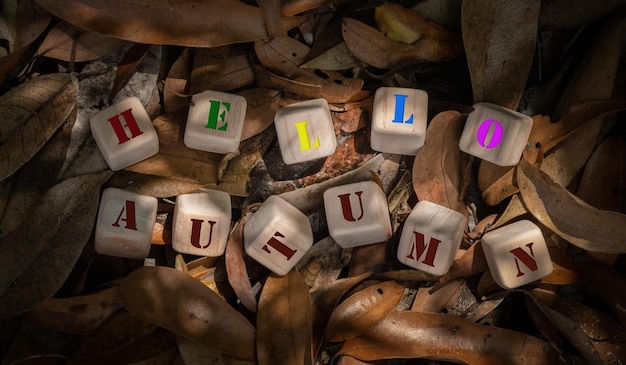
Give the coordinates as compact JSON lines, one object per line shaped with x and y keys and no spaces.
{"x":279,"y":246}
{"x":420,"y":247}
{"x":346,"y":207}
{"x":130,"y":216}
{"x":196,"y":227}
{"x":530,"y":263}
{"x":131,"y":124}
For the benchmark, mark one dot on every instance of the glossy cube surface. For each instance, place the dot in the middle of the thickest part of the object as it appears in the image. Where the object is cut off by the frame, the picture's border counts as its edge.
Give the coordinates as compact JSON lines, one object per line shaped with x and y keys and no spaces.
{"x":215,"y":122}
{"x":125,"y":223}
{"x":430,"y":238}
{"x":201,"y":223}
{"x":517,"y":254}
{"x":495,"y":134}
{"x":357,"y":214}
{"x":124,"y":133}
{"x":399,"y":120}
{"x":305,"y":131}
{"x":277,"y":235}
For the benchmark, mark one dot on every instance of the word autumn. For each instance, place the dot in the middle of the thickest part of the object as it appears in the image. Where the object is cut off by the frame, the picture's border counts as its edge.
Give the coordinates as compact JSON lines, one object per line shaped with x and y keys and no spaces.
{"x":278,"y":234}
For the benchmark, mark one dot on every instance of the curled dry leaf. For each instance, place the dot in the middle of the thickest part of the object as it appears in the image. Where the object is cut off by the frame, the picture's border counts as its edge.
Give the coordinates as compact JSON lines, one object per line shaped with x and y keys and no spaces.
{"x":363,"y":310}
{"x":236,"y":267}
{"x":409,"y":335}
{"x":262,"y":105}
{"x":150,"y":22}
{"x":40,"y":253}
{"x":282,"y":55}
{"x":173,"y":300}
{"x":472,"y":262}
{"x":284,"y":322}
{"x":33,"y":111}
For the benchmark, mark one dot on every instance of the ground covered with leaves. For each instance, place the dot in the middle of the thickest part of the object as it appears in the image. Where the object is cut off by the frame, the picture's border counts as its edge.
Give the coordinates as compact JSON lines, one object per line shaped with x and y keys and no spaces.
{"x":559,"y":62}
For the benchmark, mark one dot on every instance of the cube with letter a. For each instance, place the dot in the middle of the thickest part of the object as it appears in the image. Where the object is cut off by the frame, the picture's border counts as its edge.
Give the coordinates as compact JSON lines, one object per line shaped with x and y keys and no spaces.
{"x":430,"y":238}
{"x":201,"y":223}
{"x":215,"y":122}
{"x":495,"y":134}
{"x":277,"y":235}
{"x":399,"y":120}
{"x":357,"y":214}
{"x":305,"y":131}
{"x":124,"y":133}
{"x":517,"y":254}
{"x":125,"y":223}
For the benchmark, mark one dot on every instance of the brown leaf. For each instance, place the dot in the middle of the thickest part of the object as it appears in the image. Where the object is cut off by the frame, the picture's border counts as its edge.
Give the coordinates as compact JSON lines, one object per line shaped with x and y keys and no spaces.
{"x":566,"y":215}
{"x":564,"y":14}
{"x":173,"y":300}
{"x":500,"y":40}
{"x":600,"y":184}
{"x":284,"y":322}
{"x":282,"y":55}
{"x":150,"y":185}
{"x":439,"y":336}
{"x":205,"y":24}
{"x":262,"y":105}
{"x":472,"y":262}
{"x":66,"y":42}
{"x":39,"y":254}
{"x":271,"y":14}
{"x":35,"y":110}
{"x":236,"y":267}
{"x":434,"y":299}
{"x":31,"y":21}
{"x":363,"y":310}
{"x":127,"y":66}
{"x":439,"y":164}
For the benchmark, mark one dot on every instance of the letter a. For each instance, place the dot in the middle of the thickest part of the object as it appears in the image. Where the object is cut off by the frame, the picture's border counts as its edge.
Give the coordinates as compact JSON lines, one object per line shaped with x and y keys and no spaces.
{"x":346,"y":207}
{"x":303,"y":135}
{"x":196,"y":228}
{"x":215,"y":116}
{"x":130,"y":220}
{"x":524,"y":257}
{"x":420,"y":247}
{"x":279,"y":246}
{"x":399,"y":111}
{"x":131,"y":124}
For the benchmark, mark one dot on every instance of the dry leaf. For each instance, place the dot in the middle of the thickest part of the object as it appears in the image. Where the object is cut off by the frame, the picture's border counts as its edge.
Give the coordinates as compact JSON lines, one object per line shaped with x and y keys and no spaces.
{"x":566,"y":215}
{"x":284,"y":322}
{"x":127,"y":66}
{"x":39,"y":254}
{"x":236,"y":267}
{"x":150,"y":22}
{"x":174,"y":300}
{"x":35,"y":110}
{"x":472,"y":262}
{"x":66,"y":42}
{"x":282,"y":55}
{"x":435,"y":299}
{"x":335,"y":58}
{"x":500,"y":41}
{"x":564,"y":14}
{"x":208,"y":64}
{"x":31,"y":22}
{"x":445,"y":337}
{"x":262,"y":105}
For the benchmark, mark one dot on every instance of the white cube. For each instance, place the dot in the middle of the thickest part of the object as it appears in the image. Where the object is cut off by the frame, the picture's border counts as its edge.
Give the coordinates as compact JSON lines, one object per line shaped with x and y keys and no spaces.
{"x":399,"y":118}
{"x":125,"y":223}
{"x":277,"y":235}
{"x":430,"y":238}
{"x":495,"y":134}
{"x":201,"y":223}
{"x":124,"y":133}
{"x":517,"y":254}
{"x":215,"y":122}
{"x":305,"y":131}
{"x":357,"y":214}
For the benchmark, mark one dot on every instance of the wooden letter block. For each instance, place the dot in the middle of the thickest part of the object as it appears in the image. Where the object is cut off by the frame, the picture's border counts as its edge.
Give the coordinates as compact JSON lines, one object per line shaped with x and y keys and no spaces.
{"x":495,"y":134}
{"x":399,"y":120}
{"x":430,"y":238}
{"x":277,"y":235}
{"x":124,"y":133}
{"x":357,"y":214}
{"x":517,"y":254}
{"x":201,"y":223}
{"x":305,"y":131}
{"x":215,"y":122}
{"x":125,"y":223}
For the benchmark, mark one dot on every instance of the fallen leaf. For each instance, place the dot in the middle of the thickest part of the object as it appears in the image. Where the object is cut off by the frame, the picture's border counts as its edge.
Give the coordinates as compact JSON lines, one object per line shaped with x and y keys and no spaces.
{"x":336,"y":58}
{"x":563,"y":14}
{"x":127,"y":66}
{"x":284,"y":323}
{"x":262,"y":105}
{"x":31,"y":22}
{"x":174,"y":300}
{"x":150,"y":22}
{"x":207,"y":65}
{"x":282,"y":55}
{"x":36,"y":108}
{"x":472,"y":262}
{"x":435,"y":299}
{"x":236,"y":267}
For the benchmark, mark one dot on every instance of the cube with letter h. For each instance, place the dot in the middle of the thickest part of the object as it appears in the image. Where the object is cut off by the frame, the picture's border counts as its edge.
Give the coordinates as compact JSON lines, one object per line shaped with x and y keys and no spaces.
{"x":517,"y":254}
{"x":125,"y":223}
{"x":357,"y":214}
{"x":124,"y":133}
{"x":215,"y":122}
{"x":431,"y":237}
{"x":201,"y":223}
{"x":495,"y":134}
{"x":399,"y":118}
{"x":305,"y":131}
{"x":277,"y":235}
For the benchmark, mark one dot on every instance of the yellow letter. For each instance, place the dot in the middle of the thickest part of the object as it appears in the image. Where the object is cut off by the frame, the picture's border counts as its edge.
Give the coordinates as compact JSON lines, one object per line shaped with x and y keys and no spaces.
{"x":305,"y":144}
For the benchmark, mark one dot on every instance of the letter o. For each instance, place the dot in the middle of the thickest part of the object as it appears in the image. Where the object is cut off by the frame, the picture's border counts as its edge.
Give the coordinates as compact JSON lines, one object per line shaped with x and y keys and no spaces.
{"x":483,"y":130}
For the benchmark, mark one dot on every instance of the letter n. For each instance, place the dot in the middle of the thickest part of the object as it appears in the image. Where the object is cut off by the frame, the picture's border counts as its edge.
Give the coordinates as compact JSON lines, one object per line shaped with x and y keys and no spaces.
{"x":528,"y":260}
{"x":119,"y":128}
{"x":279,"y":246}
{"x":346,"y":207}
{"x":196,"y":228}
{"x":130,"y":219}
{"x":419,"y":247}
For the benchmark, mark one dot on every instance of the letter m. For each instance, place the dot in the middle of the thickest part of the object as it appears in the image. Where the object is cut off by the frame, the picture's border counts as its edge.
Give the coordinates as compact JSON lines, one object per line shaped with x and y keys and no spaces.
{"x":419,"y":247}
